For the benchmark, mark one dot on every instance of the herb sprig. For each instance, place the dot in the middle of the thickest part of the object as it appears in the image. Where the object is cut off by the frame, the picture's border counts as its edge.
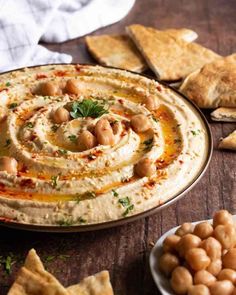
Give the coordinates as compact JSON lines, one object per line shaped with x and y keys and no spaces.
{"x":125,"y":202}
{"x":87,"y":108}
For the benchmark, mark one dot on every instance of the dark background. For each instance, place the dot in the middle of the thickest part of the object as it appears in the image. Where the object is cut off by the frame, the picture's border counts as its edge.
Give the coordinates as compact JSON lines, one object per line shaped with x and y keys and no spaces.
{"x":124,"y":250}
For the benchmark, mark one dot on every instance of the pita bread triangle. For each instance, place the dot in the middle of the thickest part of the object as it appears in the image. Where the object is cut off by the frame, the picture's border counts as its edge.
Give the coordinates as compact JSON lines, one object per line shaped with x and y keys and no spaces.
{"x":170,"y":57}
{"x":119,"y":50}
{"x":33,"y":279}
{"x":116,"y":51}
{"x":213,"y":85}
{"x":229,"y":142}
{"x":98,"y":284}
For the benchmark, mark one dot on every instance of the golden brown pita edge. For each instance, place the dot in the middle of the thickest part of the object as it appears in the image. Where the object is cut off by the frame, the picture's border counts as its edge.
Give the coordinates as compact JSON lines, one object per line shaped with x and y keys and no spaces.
{"x":33,"y":279}
{"x":98,"y":284}
{"x":167,"y":54}
{"x":224,"y":114}
{"x":229,"y":142}
{"x":116,"y":51}
{"x":214,"y":85}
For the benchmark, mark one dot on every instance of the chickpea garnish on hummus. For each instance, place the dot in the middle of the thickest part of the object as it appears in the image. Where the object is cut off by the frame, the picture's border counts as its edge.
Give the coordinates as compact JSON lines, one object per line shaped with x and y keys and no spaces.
{"x":72,"y":135}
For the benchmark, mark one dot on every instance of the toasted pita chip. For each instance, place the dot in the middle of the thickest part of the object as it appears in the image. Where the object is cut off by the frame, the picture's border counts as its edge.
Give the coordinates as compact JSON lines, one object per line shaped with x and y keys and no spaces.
{"x":33,"y":262}
{"x":120,"y":52}
{"x":99,"y":284}
{"x":33,"y":279}
{"x":116,"y":51}
{"x":214,"y":85}
{"x":224,"y":115}
{"x":169,"y":57}
{"x":229,"y":142}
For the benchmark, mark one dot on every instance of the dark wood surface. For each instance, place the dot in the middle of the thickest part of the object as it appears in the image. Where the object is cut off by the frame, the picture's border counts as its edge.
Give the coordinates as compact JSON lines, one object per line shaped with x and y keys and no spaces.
{"x":124,"y":250}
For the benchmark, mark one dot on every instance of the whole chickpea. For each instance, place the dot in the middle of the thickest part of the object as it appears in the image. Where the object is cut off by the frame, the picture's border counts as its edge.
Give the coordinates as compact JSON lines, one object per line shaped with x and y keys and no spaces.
{"x":215,"y":267}
{"x":49,"y":89}
{"x":181,"y":280}
{"x":145,"y":167}
{"x":8,"y":164}
{"x":226,"y":235}
{"x":203,"y":230}
{"x":60,"y":115}
{"x":203,"y":277}
{"x":222,"y":288}
{"x":227,"y":274}
{"x":151,"y":103}
{"x":222,"y":217}
{"x":185,"y":228}
{"x":104,"y":132}
{"x":168,"y":262}
{"x":198,"y":290}
{"x":140,"y":123}
{"x":86,"y":140}
{"x":72,"y":86}
{"x":197,"y":259}
{"x":212,"y":247}
{"x":170,"y":243}
{"x":229,"y":259}
{"x":186,"y":243}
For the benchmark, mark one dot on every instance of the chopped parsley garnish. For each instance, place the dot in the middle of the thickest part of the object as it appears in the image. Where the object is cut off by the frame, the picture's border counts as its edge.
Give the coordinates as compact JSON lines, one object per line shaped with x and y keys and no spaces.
{"x":65,"y":222}
{"x":54,"y":180}
{"x":8,"y":142}
{"x":87,"y":108}
{"x":62,"y":152}
{"x":54,"y":128}
{"x":128,"y":210}
{"x":7,"y":262}
{"x":13,"y":105}
{"x":195,"y":132}
{"x":82,"y":220}
{"x":8,"y":84}
{"x":50,"y":258}
{"x":125,"y":202}
{"x":29,"y":125}
{"x":148,"y":144}
{"x":115,"y":194}
{"x":72,"y":138}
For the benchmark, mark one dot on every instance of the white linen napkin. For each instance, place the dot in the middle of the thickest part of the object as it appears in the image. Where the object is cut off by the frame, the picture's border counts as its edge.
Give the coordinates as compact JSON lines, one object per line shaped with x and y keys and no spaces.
{"x":23,"y":23}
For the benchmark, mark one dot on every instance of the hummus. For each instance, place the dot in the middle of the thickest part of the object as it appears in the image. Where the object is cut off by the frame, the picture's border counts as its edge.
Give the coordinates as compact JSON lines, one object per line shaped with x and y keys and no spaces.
{"x":59,"y":180}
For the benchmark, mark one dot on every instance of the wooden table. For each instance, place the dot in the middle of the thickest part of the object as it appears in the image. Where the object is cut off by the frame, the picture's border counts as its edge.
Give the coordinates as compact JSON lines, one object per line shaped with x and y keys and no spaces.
{"x":124,"y":250}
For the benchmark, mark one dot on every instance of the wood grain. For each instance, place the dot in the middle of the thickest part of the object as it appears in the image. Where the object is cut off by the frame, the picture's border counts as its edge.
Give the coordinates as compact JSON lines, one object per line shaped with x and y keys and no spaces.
{"x":124,"y":250}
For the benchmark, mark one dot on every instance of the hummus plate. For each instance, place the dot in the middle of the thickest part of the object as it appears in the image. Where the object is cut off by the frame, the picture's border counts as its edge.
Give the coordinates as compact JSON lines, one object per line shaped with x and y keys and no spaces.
{"x":86,"y":147}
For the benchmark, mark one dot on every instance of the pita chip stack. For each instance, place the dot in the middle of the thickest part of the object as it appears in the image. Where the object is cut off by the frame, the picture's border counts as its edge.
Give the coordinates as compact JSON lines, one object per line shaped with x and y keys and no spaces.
{"x":169,"y":56}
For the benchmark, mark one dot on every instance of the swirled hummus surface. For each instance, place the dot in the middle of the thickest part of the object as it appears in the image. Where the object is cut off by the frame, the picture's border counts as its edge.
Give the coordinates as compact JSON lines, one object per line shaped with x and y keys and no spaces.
{"x":85,"y":144}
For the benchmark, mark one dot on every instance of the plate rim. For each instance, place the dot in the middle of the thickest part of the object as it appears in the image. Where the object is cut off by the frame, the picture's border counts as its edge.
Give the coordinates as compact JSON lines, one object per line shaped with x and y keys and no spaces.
{"x":149,"y":212}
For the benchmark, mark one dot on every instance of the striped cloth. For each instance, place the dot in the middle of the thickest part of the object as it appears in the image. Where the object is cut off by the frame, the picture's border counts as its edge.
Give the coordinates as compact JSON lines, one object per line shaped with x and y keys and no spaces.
{"x":23,"y":23}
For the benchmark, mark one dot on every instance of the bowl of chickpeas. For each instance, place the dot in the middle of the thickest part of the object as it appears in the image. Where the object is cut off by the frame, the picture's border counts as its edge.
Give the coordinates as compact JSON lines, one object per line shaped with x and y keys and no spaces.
{"x":197,"y":258}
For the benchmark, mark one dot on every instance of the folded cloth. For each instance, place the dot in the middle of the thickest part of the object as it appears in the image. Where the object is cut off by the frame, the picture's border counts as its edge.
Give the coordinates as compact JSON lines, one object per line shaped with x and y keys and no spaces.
{"x":23,"y":23}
